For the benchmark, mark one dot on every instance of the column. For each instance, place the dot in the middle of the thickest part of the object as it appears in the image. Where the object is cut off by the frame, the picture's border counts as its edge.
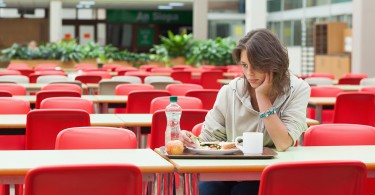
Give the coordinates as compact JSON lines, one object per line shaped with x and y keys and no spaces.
{"x":363,"y":44}
{"x":256,"y":12}
{"x":200,"y":20}
{"x":55,"y":21}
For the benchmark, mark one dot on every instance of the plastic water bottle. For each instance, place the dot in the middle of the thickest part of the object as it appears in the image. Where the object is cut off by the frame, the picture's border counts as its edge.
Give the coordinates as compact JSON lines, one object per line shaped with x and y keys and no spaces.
{"x":173,"y":112}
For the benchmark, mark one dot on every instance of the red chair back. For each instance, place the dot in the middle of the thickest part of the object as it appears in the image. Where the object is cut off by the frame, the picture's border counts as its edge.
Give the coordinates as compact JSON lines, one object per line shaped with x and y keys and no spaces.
{"x":314,"y":177}
{"x":323,"y":91}
{"x":34,"y":76}
{"x":181,"y":89}
{"x":10,"y":105}
{"x":9,"y":72}
{"x":43,"y":125}
{"x":349,"y":81}
{"x":41,"y":95}
{"x":114,"y":179}
{"x":68,"y":103}
{"x":139,"y":101}
{"x":207,"y":96}
{"x":103,"y":74}
{"x":181,"y":75}
{"x":4,"y":93}
{"x":141,"y":74}
{"x":189,"y":118}
{"x":63,"y":86}
{"x":355,"y":108}
{"x":368,"y":89}
{"x":209,"y":79}
{"x":88,"y":78}
{"x":95,"y":138}
{"x":326,"y":75}
{"x":125,"y":89}
{"x":160,"y":103}
{"x":355,"y":75}
{"x":14,"y":89}
{"x":339,"y":135}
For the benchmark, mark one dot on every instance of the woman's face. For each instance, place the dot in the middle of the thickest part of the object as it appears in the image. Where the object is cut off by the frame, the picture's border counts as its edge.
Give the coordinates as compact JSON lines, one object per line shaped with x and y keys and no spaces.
{"x":255,"y":78}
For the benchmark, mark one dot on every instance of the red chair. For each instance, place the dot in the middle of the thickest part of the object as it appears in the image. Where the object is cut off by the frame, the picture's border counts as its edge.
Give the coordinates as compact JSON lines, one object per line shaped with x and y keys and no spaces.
{"x":314,"y":177}
{"x":16,"y":66}
{"x":339,"y":135}
{"x":140,"y":74}
{"x":180,"y":67}
{"x":355,"y":75}
{"x":355,"y":108}
{"x":9,"y":72}
{"x":14,"y":106}
{"x":95,"y":138}
{"x":88,"y":78}
{"x":84,"y":67}
{"x":39,"y":67}
{"x":43,"y":125}
{"x":147,"y":67}
{"x":326,"y":75}
{"x":182,"y":75}
{"x":139,"y":101}
{"x":103,"y":74}
{"x":41,"y":95}
{"x":181,"y":89}
{"x":197,"y":129}
{"x":4,"y":93}
{"x":68,"y":103}
{"x":62,"y":86}
{"x":10,"y":105}
{"x":189,"y":118}
{"x":99,"y":179}
{"x":368,"y":89}
{"x":160,"y":103}
{"x":209,"y":79}
{"x":207,"y":96}
{"x":323,"y":91}
{"x":111,"y":67}
{"x":125,"y":89}
{"x":122,"y":70}
{"x":349,"y":81}
{"x":34,"y":76}
{"x":161,"y":70}
{"x":342,"y":135}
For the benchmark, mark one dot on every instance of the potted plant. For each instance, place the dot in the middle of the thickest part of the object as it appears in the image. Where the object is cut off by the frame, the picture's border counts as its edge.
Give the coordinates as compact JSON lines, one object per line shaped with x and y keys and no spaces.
{"x":173,"y":49}
{"x":213,"y":52}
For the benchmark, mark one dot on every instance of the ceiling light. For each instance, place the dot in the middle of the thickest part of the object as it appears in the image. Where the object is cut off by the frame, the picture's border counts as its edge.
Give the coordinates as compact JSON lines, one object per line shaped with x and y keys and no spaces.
{"x":176,"y":4}
{"x":165,"y":7}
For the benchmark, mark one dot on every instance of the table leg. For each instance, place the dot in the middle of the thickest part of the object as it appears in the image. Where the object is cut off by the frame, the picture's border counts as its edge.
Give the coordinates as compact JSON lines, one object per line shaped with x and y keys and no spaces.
{"x":191,"y":184}
{"x":318,"y":113}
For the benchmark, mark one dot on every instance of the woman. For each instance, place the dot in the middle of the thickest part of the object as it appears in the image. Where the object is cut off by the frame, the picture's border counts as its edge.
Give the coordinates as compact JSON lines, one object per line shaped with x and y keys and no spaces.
{"x":268,"y":99}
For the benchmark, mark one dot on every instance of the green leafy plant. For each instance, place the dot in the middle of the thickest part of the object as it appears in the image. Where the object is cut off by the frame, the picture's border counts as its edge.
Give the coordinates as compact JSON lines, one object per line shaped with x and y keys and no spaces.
{"x":172,"y":46}
{"x":213,"y":52}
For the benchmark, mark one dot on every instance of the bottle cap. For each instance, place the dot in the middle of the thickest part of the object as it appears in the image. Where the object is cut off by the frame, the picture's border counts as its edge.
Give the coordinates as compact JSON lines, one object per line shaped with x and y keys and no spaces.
{"x":173,"y":98}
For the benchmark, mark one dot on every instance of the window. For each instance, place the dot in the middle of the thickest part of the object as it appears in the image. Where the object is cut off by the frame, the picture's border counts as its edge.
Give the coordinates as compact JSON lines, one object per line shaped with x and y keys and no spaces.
{"x":292,"y":4}
{"x":273,"y":5}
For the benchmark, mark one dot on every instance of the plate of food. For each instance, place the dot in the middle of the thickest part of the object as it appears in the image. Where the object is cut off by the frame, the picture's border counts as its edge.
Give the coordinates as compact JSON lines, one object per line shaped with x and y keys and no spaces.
{"x":214,"y":148}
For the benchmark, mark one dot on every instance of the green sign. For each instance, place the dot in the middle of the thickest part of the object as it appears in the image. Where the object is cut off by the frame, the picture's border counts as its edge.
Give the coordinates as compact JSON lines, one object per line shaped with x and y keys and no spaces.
{"x":145,"y":37}
{"x":147,"y":16}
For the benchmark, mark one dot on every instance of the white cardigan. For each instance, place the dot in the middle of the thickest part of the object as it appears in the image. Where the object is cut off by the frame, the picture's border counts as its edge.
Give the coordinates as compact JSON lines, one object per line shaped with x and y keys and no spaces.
{"x":233,"y":113}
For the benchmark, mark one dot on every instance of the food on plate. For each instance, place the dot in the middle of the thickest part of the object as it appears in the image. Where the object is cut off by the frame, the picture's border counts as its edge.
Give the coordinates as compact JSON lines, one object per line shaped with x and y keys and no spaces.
{"x":174,"y":147}
{"x":217,"y":145}
{"x":212,"y":145}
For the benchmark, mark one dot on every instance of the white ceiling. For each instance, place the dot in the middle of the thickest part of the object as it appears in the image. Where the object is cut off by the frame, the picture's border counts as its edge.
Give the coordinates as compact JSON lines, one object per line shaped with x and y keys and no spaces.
{"x":112,"y":4}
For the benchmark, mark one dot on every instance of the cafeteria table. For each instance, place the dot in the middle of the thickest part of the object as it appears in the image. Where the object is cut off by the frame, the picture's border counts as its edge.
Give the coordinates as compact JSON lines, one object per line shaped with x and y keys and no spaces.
{"x":201,"y":169}
{"x":155,"y":170}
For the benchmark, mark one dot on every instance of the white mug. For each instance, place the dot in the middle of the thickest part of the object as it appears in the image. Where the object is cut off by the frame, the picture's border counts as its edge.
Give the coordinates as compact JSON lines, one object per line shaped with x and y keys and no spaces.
{"x":252,"y":143}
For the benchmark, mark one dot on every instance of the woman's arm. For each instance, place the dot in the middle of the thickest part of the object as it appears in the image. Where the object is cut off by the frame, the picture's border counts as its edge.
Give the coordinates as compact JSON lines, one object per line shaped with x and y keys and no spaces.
{"x":286,"y":129}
